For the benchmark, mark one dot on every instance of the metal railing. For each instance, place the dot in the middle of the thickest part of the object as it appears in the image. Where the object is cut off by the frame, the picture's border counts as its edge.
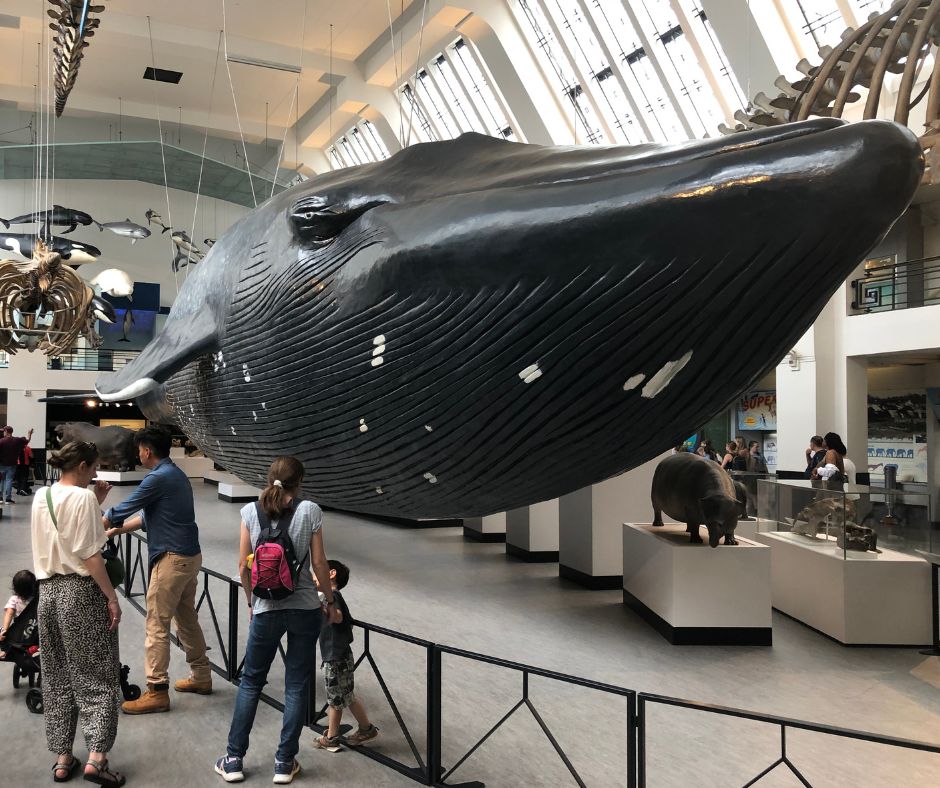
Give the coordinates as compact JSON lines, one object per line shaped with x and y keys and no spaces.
{"x":428,"y":768}
{"x":886,"y":288}
{"x":86,"y":360}
{"x":783,"y":723}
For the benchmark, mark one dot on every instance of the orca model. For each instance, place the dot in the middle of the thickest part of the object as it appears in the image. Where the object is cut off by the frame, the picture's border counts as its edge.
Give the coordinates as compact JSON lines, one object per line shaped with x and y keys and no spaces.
{"x":73,"y":251}
{"x":475,"y":325}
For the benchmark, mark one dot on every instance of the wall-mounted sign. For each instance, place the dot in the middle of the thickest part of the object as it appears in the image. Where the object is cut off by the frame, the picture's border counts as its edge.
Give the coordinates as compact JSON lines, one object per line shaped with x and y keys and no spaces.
{"x":757,"y":410}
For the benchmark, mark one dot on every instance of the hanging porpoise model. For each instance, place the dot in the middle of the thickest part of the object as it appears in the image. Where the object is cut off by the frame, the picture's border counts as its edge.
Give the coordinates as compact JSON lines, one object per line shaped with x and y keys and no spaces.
{"x":476,"y":325}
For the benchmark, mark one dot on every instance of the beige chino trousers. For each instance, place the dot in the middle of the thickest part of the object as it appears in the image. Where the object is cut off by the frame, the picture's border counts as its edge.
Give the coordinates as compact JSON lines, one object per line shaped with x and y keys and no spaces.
{"x":172,"y":595}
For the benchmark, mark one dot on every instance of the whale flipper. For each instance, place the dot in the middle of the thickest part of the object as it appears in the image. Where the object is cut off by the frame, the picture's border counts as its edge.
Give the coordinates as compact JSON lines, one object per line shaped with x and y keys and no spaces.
{"x":180,"y":342}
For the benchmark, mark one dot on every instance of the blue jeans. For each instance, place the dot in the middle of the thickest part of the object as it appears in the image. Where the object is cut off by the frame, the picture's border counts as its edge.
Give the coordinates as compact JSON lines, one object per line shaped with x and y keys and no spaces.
{"x":8,"y":472}
{"x":267,"y":629}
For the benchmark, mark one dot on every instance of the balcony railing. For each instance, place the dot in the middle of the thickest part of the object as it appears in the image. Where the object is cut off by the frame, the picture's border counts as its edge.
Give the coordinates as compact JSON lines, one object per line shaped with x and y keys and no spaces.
{"x":93,"y":360}
{"x":886,"y":288}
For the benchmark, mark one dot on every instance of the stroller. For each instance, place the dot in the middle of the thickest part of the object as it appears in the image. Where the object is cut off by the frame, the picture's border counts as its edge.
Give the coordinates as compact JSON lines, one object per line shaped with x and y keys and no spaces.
{"x":22,"y":649}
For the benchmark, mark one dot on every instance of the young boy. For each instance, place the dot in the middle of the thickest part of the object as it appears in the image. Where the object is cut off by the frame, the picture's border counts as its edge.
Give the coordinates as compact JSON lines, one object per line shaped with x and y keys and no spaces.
{"x":336,"y":652}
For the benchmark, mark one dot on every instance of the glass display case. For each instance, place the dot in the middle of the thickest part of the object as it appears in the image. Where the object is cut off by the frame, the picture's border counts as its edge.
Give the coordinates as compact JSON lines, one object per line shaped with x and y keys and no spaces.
{"x":853,"y":521}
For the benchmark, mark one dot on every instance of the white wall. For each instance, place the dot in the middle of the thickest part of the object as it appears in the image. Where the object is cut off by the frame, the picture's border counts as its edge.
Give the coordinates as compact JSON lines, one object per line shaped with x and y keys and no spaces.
{"x":149,"y":259}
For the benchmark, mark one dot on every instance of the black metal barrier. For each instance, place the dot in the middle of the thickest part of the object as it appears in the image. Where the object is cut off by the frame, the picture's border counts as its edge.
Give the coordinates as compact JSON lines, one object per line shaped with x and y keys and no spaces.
{"x":783,"y":723}
{"x":428,"y":768}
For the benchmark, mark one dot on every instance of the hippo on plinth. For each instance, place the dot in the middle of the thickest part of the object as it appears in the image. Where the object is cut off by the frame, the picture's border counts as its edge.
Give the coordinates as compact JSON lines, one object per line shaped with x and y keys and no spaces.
{"x":696,"y":491}
{"x":116,"y":447}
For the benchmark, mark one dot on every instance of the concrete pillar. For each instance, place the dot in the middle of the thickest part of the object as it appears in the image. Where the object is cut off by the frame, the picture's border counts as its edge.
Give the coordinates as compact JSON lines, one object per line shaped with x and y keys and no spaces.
{"x":535,"y":109}
{"x":821,"y":390}
{"x":24,"y":411}
{"x":590,"y":526}
{"x":532,"y":532}
{"x":490,"y":528}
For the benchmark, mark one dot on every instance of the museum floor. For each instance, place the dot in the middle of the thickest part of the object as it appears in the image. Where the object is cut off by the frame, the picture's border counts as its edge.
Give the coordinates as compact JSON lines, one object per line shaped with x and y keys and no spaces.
{"x":434,"y":585}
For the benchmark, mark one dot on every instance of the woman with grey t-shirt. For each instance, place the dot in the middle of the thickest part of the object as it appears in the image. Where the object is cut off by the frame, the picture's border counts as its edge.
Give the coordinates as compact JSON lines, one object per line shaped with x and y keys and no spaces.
{"x":299,"y":615}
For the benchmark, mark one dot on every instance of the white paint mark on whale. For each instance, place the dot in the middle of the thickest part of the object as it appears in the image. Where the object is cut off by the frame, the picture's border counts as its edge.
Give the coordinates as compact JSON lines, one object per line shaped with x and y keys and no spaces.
{"x":379,"y":340}
{"x":633,"y":382}
{"x":429,"y":428}
{"x":664,"y":377}
{"x":377,"y":361}
{"x":363,"y":427}
{"x":379,"y":491}
{"x":255,"y":415}
{"x":379,"y":350}
{"x":431,"y":478}
{"x":530,"y":373}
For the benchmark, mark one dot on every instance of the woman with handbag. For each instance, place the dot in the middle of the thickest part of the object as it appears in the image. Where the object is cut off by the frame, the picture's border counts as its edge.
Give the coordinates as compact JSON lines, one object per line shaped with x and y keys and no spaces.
{"x":78,"y":616}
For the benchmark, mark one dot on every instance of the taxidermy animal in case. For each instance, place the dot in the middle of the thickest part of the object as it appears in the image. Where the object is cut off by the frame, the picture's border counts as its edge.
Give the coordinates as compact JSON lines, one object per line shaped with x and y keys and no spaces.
{"x":475,"y":325}
{"x":696,"y":491}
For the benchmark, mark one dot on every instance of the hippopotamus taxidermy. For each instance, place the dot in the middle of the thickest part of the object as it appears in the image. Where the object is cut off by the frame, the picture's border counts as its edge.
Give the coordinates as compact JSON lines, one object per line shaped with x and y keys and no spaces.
{"x":696,"y":491}
{"x":116,"y":448}
{"x":475,"y":325}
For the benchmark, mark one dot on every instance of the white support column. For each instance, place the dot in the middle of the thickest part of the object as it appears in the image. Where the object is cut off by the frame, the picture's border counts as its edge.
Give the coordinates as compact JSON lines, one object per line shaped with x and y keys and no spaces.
{"x":490,"y":528}
{"x":532,"y":532}
{"x":590,"y":526}
{"x":743,"y":42}
{"x":24,"y":411}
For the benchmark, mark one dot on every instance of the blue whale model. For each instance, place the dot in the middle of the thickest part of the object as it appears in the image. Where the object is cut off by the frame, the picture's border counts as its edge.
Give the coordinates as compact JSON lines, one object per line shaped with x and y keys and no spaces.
{"x":475,"y":325}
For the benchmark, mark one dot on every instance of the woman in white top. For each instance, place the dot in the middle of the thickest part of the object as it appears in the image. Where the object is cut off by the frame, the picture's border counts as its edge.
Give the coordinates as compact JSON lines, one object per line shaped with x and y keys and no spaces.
{"x":78,"y":616}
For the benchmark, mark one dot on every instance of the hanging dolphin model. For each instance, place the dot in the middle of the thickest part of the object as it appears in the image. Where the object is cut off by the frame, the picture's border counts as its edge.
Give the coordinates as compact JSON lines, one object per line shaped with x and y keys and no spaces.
{"x":56,"y":216}
{"x":73,"y":251}
{"x":126,"y":324}
{"x":126,"y":229}
{"x":475,"y":325}
{"x":154,"y":218}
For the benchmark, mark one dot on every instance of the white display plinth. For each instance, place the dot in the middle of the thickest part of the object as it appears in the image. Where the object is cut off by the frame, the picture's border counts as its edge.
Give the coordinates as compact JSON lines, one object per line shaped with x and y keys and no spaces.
{"x":867,"y":599}
{"x":532,"y":532}
{"x":215,"y":476}
{"x":177,"y":452}
{"x":195,"y":467}
{"x":693,"y":594}
{"x":491,"y":528}
{"x":231,"y":488}
{"x":590,"y":525}
{"x":122,"y":478}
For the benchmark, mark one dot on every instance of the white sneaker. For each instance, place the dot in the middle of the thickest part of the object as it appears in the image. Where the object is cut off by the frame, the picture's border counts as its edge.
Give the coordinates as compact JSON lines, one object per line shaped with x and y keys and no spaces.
{"x":284,"y":773}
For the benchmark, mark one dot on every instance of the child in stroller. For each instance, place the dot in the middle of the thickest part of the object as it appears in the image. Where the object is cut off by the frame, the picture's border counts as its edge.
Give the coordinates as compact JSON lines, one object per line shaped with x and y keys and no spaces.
{"x":19,"y":638}
{"x":19,"y":642}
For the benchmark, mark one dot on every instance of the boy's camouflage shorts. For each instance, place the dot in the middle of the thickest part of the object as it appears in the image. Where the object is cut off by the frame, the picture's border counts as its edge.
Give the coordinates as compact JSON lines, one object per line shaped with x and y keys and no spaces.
{"x":340,"y":682}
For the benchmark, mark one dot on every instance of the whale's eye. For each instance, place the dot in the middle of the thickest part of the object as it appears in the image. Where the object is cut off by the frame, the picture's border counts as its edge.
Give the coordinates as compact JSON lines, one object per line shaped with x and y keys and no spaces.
{"x":319,"y":224}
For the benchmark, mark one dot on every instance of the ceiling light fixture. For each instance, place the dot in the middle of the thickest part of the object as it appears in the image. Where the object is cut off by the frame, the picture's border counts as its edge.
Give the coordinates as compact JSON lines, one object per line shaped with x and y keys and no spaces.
{"x":252,"y":61}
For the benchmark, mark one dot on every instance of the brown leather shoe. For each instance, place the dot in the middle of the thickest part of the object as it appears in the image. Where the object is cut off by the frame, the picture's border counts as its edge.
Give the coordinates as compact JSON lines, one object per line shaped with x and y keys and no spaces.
{"x":151,"y":702}
{"x":191,"y":685}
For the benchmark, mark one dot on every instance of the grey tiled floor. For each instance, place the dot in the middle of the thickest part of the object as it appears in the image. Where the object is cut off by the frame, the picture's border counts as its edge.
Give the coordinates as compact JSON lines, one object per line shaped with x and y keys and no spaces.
{"x":434,"y":585}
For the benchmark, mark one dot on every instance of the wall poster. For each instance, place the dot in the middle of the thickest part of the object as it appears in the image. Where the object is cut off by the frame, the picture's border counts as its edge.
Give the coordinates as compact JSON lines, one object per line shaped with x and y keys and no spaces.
{"x":897,"y":433}
{"x":757,"y":410}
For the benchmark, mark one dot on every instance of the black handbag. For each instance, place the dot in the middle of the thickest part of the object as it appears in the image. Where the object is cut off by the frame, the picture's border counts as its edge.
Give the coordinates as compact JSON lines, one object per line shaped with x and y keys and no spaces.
{"x":113,"y":564}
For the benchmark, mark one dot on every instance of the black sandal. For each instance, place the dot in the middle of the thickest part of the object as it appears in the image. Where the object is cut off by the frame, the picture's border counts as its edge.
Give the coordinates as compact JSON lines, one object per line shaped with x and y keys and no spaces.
{"x":104,"y":775}
{"x":69,"y":768}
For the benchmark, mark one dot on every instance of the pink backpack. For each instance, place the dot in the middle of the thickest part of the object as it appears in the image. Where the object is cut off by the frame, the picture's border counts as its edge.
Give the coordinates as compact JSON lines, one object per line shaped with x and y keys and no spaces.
{"x":275,"y":568}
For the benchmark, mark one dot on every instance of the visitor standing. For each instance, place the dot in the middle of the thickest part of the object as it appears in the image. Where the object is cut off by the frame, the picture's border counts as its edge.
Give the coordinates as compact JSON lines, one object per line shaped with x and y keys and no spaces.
{"x":731,"y":451}
{"x":814,"y":455}
{"x":298,"y":613}
{"x":835,"y":455}
{"x":10,"y":449}
{"x":78,"y":616}
{"x":755,"y":460}
{"x":165,"y":500}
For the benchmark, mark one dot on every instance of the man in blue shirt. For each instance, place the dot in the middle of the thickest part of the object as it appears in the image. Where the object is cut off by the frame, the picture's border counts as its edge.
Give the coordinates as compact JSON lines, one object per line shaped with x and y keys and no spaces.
{"x":164,"y":500}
